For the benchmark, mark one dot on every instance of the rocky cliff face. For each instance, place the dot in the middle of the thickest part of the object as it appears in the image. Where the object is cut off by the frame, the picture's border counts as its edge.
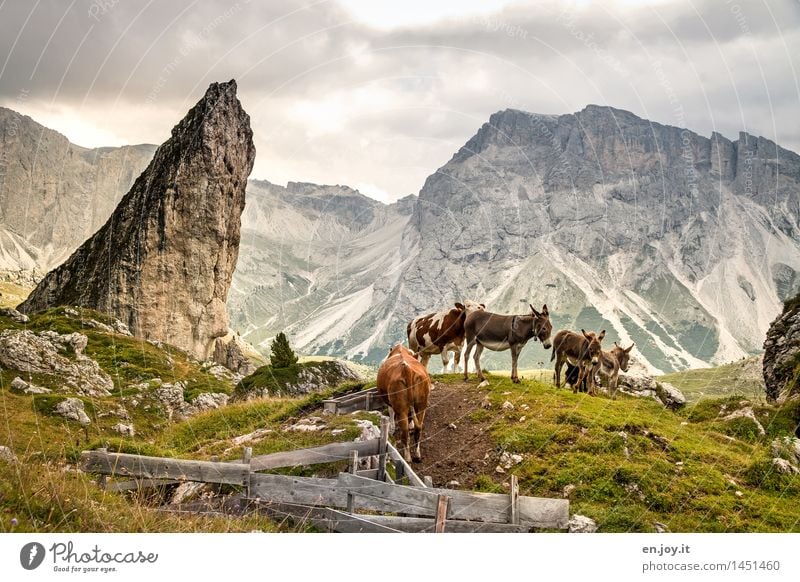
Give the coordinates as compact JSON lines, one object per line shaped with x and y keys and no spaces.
{"x":782,"y":354}
{"x":55,"y":194}
{"x":163,"y":261}
{"x":322,"y":263}
{"x":684,"y":244}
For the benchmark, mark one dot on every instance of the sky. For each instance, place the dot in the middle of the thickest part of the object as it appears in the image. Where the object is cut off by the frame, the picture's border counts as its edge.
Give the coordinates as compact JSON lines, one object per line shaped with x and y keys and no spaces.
{"x":378,"y":94}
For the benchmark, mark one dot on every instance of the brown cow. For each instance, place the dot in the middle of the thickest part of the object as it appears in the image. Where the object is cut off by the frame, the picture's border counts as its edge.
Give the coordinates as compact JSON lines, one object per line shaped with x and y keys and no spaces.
{"x":579,"y":350}
{"x":440,"y":333}
{"x":503,"y":332}
{"x":404,"y":385}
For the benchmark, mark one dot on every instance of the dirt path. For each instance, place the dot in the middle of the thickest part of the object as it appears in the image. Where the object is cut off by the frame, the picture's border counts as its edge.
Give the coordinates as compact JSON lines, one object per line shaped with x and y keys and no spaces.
{"x":454,"y":447}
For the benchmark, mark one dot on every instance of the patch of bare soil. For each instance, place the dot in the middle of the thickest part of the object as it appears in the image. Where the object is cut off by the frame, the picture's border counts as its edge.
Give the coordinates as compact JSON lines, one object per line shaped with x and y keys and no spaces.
{"x":454,"y":447}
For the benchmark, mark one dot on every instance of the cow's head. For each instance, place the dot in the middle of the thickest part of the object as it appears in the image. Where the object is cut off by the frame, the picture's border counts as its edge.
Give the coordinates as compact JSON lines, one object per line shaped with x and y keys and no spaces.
{"x":594,"y":344}
{"x":542,"y":328}
{"x":470,"y":305}
{"x":623,"y":356}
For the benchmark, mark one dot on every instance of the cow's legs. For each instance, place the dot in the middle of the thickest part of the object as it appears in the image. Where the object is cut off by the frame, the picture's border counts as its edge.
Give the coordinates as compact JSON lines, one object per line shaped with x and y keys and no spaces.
{"x":416,"y":455}
{"x":515,"y":350}
{"x":456,"y":359}
{"x":401,"y":435}
{"x":445,"y":360}
{"x":477,"y":359}
{"x":467,"y":350}
{"x":424,"y":358}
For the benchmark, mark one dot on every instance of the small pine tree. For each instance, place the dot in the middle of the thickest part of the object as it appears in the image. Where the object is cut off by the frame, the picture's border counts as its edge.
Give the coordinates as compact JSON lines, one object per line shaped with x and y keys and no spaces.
{"x":282,"y":355}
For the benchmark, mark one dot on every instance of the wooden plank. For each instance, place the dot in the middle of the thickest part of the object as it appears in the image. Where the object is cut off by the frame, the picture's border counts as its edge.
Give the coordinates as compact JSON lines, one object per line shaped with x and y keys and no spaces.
{"x":329,"y":406}
{"x":121,"y":464}
{"x":411,"y":500}
{"x":300,"y":490}
{"x":139,"y":484}
{"x":395,"y":455}
{"x":441,"y":513}
{"x":353,"y":467}
{"x":428,"y":480}
{"x":322,"y":454}
{"x":368,"y":473}
{"x":382,"y":445}
{"x":543,"y":512}
{"x":428,"y":525}
{"x":326,"y":519}
{"x":514,"y":501}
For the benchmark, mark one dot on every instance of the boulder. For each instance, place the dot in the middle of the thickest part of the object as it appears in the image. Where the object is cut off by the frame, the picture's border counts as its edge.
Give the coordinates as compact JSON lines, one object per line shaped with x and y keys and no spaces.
{"x":747,"y":413}
{"x":237,"y":355}
{"x":581,"y":524}
{"x":49,"y":352}
{"x":784,"y":466}
{"x":644,"y":386}
{"x":781,"y":348}
{"x":7,"y":455}
{"x":368,"y":432}
{"x":72,"y":409}
{"x":21,"y":385}
{"x":177,"y":229}
{"x":124,"y":429}
{"x":14,"y":315}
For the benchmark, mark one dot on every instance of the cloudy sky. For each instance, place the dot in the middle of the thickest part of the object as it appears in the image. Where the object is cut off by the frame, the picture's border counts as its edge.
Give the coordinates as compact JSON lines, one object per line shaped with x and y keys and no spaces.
{"x":377,"y":94}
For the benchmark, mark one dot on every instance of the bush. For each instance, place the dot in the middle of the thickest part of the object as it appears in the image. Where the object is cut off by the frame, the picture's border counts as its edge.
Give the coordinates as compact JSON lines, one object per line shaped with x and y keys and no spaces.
{"x":282,"y":355}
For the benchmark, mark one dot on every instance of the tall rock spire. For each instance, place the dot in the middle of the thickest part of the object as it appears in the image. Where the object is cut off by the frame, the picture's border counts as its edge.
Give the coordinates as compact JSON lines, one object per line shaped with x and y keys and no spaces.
{"x":164,"y":260}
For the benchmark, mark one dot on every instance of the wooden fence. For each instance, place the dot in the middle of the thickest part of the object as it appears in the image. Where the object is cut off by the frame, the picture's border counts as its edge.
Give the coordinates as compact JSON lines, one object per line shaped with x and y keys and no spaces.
{"x":337,"y":504}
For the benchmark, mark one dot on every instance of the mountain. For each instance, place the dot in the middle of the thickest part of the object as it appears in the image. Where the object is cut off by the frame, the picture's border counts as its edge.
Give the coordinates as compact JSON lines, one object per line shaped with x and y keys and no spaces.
{"x":683,"y":244}
{"x":55,"y":194}
{"x":323,"y":263}
{"x":164,"y":260}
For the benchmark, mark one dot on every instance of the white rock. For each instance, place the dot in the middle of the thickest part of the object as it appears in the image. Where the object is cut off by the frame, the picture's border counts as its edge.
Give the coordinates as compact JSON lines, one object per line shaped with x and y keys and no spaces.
{"x":784,"y":466}
{"x":72,"y":409}
{"x":453,"y":484}
{"x":7,"y":455}
{"x":499,"y":469}
{"x":21,"y":385}
{"x":749,"y":414}
{"x":581,"y":524}
{"x":507,"y":405}
{"x":568,"y":489}
{"x":123,"y":429}
{"x":508,"y":460}
{"x":14,"y":315}
{"x":483,"y":384}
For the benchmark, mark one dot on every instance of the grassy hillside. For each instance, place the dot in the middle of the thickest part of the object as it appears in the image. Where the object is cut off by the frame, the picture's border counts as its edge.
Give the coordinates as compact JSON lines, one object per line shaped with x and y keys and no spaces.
{"x":12,"y":294}
{"x":633,"y":463}
{"x":627,"y":463}
{"x":743,"y":378}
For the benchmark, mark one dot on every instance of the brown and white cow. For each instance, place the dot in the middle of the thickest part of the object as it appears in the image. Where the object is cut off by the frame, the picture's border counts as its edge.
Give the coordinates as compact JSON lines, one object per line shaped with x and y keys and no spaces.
{"x":579,"y":349}
{"x":404,"y":386}
{"x":440,"y":333}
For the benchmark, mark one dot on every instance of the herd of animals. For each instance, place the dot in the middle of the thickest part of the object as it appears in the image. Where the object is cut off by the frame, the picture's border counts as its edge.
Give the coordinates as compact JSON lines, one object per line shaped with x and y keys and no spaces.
{"x":404,"y":383}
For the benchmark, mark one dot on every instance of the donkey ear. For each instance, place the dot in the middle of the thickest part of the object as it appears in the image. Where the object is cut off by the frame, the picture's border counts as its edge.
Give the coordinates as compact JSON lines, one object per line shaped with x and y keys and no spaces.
{"x":533,"y":309}
{"x":544,"y":309}
{"x":460,"y":306}
{"x":616,"y":345}
{"x":630,"y":348}
{"x":586,"y":335}
{"x":483,"y":306}
{"x":601,"y":336}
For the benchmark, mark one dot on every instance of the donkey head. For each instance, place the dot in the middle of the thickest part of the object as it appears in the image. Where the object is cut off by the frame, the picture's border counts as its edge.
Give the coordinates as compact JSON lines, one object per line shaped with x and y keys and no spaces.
{"x":542,"y":328}
{"x":594,"y":344}
{"x":623,"y":356}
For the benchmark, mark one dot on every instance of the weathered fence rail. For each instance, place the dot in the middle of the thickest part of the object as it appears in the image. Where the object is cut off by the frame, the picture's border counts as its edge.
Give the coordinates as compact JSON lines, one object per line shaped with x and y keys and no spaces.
{"x":363,"y":400}
{"x":417,"y":507}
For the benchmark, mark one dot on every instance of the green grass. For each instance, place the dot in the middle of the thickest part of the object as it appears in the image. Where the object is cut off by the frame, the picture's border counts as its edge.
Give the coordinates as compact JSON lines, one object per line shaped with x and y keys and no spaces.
{"x":742,"y":379}
{"x":12,"y":294}
{"x":634,"y":463}
{"x":280,"y":381}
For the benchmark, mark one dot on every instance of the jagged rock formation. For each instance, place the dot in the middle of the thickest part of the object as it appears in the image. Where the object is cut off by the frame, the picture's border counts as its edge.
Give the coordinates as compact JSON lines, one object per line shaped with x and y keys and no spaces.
{"x":782,"y":354}
{"x":164,"y":260}
{"x":55,"y":194}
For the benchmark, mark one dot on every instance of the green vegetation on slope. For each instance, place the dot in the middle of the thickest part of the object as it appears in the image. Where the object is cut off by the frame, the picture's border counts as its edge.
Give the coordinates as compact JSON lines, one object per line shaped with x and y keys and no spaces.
{"x":633,"y":463}
{"x":743,"y":378}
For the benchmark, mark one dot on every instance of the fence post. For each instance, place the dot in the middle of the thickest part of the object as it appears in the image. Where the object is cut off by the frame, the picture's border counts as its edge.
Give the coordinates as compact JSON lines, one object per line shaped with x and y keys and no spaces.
{"x":442,"y":503}
{"x":428,"y":480}
{"x":352,"y":469}
{"x":102,"y":479}
{"x":247,"y":455}
{"x":382,"y":448}
{"x":514,"y":495}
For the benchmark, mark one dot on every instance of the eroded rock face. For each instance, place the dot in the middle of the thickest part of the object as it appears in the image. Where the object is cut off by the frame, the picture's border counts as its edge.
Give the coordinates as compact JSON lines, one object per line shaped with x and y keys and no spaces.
{"x":72,"y":409}
{"x":48,"y":352}
{"x":236,"y":354}
{"x":163,"y":262}
{"x":780,"y":350}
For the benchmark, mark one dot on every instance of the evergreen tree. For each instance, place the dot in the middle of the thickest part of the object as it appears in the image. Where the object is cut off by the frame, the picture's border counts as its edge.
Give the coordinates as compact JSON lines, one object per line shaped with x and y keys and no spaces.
{"x":282,"y":355}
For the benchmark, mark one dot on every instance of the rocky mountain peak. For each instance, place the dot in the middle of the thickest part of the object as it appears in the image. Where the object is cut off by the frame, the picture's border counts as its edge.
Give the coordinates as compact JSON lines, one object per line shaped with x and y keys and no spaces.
{"x":164,"y":260}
